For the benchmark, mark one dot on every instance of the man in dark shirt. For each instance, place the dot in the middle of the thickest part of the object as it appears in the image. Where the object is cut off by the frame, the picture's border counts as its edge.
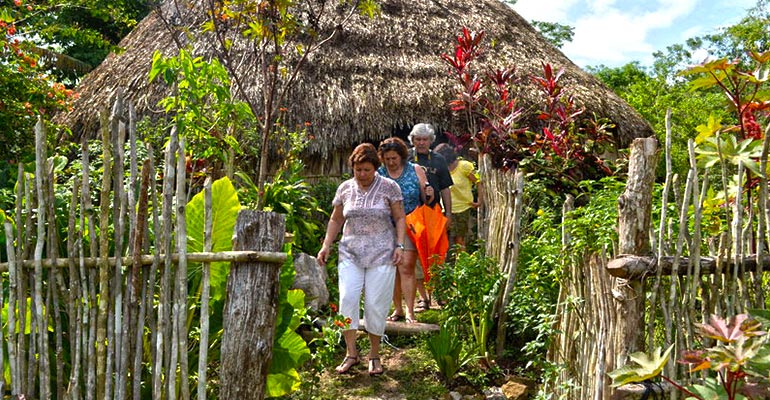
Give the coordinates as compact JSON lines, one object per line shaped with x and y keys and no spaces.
{"x":440,"y":179}
{"x":436,"y":168}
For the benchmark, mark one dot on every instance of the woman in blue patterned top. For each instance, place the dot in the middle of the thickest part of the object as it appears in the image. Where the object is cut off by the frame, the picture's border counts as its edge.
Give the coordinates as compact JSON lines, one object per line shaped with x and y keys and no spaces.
{"x":412,"y":180}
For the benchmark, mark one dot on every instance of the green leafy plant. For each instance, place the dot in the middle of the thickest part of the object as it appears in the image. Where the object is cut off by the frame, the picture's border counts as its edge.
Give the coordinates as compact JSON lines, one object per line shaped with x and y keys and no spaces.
{"x":201,"y":106}
{"x":470,"y":288}
{"x":745,"y":89}
{"x":739,"y":361}
{"x":446,"y":347}
{"x":288,"y":193}
{"x":644,"y":367}
{"x":714,"y":148}
{"x":290,"y":351}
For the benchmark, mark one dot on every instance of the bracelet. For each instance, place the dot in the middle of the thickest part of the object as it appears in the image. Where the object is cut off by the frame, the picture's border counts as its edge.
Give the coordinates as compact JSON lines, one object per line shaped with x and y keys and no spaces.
{"x":400,"y":246}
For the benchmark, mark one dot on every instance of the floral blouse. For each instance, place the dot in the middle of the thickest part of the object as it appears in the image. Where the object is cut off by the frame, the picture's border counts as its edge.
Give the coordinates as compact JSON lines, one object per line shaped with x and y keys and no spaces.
{"x":369,"y":235}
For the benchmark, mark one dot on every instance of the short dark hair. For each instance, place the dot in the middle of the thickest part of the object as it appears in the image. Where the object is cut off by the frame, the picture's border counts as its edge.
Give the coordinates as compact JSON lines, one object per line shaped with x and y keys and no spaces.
{"x":394,"y":144}
{"x":447,"y":151}
{"x":363,"y":153}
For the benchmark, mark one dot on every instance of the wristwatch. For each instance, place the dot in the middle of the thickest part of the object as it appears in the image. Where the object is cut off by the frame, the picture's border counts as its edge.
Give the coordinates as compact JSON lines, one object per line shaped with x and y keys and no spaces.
{"x":400,"y":246}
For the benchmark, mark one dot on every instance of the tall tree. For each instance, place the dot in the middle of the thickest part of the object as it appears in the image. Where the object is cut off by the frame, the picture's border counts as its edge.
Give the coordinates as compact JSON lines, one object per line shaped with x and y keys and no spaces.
{"x":280,"y":35}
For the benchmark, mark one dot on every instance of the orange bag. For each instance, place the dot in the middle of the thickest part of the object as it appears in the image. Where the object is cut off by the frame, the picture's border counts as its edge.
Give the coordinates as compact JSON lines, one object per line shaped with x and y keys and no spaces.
{"x":426,"y":226}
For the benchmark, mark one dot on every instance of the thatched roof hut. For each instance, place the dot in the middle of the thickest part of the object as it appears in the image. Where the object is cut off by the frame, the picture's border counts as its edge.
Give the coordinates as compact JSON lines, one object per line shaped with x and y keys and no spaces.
{"x":376,"y":78}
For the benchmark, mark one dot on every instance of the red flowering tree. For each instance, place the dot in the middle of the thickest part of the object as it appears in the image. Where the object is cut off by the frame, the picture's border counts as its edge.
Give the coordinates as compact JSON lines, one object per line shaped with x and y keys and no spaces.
{"x":26,"y":90}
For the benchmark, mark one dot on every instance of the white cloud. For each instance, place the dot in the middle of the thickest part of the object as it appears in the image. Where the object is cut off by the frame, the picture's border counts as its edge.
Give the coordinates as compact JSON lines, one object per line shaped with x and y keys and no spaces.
{"x":555,"y":11}
{"x":615,"y":32}
{"x":608,"y":38}
{"x":667,"y":13}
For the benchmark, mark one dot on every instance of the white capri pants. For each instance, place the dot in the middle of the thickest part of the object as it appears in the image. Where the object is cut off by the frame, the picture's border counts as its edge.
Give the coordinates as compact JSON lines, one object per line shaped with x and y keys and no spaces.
{"x":377,"y":285}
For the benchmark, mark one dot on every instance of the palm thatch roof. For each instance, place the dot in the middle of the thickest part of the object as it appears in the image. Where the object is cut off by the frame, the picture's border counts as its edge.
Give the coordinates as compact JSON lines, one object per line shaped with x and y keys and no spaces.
{"x":376,"y":76}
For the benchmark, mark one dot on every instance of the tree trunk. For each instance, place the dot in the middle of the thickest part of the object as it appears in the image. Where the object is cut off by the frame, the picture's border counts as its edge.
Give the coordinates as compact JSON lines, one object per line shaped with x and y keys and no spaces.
{"x":250,"y":311}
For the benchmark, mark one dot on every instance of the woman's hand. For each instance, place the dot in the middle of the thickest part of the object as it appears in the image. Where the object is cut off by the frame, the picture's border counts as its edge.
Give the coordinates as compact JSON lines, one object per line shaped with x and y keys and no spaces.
{"x":429,"y":193}
{"x":322,"y":254}
{"x":398,"y":256}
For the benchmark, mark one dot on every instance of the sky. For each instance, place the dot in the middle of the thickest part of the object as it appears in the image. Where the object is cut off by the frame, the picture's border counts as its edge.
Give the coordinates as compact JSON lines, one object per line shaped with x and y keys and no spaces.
{"x":616,"y":32}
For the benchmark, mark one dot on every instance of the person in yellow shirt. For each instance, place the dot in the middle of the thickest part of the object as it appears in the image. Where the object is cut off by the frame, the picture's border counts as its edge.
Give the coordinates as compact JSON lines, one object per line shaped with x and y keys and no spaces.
{"x":463,"y":204}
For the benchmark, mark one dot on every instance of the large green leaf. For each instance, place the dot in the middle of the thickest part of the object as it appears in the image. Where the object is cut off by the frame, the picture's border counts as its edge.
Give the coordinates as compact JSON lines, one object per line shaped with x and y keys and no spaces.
{"x":289,"y":349}
{"x":282,"y":384}
{"x":643,"y":367}
{"x":711,"y":389}
{"x":224,"y":211}
{"x":289,"y":352}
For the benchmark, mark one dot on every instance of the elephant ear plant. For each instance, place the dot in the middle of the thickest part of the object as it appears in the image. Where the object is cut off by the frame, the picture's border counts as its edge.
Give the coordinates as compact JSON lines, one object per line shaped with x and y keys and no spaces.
{"x":739,"y":361}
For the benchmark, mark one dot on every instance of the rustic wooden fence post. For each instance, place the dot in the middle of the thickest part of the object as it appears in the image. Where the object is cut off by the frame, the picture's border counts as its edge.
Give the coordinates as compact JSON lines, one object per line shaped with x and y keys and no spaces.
{"x":251,"y":307}
{"x":634,"y":219}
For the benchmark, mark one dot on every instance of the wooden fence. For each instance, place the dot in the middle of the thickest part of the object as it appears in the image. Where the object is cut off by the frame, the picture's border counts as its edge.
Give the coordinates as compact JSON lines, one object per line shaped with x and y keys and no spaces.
{"x":100,"y":283}
{"x":656,"y":285}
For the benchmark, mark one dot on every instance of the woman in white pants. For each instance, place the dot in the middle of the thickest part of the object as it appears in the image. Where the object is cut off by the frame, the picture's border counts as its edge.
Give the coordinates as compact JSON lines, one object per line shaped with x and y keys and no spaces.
{"x":369,"y":211}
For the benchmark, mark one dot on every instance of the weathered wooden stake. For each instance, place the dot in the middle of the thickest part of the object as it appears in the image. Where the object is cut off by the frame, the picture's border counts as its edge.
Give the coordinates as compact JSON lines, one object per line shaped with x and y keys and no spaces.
{"x":634,"y":217}
{"x":251,"y":307}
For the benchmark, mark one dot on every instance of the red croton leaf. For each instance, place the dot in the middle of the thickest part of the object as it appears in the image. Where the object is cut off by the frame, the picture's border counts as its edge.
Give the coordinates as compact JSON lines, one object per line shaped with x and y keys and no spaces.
{"x":720,"y":329}
{"x":697,"y":360}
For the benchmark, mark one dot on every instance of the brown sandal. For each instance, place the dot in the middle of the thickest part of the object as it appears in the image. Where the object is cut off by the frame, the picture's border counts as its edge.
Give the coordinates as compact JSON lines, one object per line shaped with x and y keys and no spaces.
{"x":347,"y":363}
{"x":395,"y":317}
{"x":375,"y":367}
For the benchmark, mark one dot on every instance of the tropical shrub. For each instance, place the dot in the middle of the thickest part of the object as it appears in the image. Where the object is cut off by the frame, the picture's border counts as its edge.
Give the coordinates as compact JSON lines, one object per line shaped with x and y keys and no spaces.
{"x":202,"y":107}
{"x":738,"y":361}
{"x":562,"y":151}
{"x":470,"y":289}
{"x":744,"y":87}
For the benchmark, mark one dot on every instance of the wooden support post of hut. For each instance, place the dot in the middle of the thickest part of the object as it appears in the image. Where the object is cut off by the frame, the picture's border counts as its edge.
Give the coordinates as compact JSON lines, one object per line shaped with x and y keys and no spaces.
{"x":634,"y":215}
{"x":250,"y":311}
